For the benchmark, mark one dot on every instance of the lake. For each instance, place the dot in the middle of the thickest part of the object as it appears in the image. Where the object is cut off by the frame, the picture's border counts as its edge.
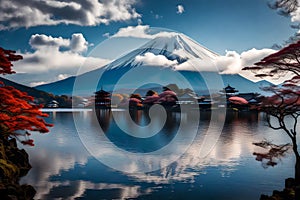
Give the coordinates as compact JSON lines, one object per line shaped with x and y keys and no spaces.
{"x":154,"y":155}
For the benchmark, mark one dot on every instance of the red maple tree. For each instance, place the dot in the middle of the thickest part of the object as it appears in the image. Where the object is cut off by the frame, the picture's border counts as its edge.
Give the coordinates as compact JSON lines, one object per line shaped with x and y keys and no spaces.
{"x":283,"y":107}
{"x":18,"y":113}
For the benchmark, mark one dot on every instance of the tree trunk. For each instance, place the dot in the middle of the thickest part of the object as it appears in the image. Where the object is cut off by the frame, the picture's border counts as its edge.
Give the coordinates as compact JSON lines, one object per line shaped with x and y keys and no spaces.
{"x":297,"y":165}
{"x":297,"y":170}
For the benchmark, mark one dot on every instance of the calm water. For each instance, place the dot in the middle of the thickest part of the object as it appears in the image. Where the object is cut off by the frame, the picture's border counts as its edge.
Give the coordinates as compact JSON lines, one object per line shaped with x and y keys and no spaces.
{"x":71,"y":161}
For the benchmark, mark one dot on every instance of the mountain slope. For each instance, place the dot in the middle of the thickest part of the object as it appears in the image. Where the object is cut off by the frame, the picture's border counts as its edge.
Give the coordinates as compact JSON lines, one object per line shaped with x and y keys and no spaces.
{"x":61,"y":87}
{"x":42,"y":96}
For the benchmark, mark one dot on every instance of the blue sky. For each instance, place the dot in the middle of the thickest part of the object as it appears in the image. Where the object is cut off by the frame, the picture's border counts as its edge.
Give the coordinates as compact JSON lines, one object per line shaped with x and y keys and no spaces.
{"x":73,"y":28}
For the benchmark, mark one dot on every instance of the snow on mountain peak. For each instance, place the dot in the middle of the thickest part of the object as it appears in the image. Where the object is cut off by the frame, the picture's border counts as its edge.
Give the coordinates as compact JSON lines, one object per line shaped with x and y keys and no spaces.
{"x":174,"y":50}
{"x":180,"y":45}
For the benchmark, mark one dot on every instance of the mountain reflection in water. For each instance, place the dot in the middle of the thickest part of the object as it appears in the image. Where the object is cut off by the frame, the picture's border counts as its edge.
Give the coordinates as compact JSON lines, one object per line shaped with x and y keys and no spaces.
{"x":63,"y":168}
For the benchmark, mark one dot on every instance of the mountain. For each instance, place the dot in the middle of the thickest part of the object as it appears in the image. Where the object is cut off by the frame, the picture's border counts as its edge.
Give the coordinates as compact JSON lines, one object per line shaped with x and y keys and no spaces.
{"x":174,"y":58}
{"x":174,"y":47}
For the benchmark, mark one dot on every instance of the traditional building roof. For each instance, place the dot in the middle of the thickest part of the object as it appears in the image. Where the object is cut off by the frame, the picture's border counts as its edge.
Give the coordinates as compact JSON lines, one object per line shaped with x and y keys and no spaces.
{"x":229,"y":89}
{"x":102,"y":93}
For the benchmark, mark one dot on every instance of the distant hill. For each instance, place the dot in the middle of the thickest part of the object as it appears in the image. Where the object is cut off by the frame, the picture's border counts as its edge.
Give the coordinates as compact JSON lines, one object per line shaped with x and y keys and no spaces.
{"x":242,"y":84}
{"x":62,"y":87}
{"x":40,"y":96}
{"x":29,"y":90}
{"x":65,"y":87}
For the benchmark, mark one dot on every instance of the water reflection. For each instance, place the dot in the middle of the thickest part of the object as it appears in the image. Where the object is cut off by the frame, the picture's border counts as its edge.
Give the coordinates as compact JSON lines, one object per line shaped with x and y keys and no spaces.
{"x":134,"y":143}
{"x":54,"y":152}
{"x":104,"y":118}
{"x":62,"y":168}
{"x":234,"y":142}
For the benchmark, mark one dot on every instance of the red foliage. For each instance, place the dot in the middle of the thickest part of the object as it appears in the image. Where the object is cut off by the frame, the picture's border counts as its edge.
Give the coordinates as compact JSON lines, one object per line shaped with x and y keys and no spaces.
{"x":18,"y":113}
{"x":6,"y":57}
{"x":238,"y":100}
{"x":151,"y":99}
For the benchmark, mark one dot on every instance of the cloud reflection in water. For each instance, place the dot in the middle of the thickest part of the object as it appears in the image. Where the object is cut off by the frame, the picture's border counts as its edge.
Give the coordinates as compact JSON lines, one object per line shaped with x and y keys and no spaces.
{"x":62,"y":168}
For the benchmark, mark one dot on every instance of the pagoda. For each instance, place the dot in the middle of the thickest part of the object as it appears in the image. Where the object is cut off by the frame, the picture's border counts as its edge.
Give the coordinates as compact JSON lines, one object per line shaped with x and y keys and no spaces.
{"x":229,"y":90}
{"x":102,"y":99}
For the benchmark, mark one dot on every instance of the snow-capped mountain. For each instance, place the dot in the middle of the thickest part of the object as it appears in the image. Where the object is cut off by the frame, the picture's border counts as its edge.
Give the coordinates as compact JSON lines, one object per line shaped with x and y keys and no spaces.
{"x":176,"y":48}
{"x":173,"y":58}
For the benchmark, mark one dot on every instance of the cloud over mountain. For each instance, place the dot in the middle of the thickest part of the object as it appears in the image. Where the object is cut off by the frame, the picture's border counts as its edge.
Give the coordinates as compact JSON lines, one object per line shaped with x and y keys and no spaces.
{"x":141,"y":31}
{"x":54,"y":58}
{"x":233,"y":62}
{"x":154,"y":60}
{"x":29,"y":13}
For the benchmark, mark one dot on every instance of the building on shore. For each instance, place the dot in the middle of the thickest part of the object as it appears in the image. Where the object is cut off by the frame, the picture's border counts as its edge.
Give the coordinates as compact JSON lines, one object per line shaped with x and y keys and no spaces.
{"x":240,"y":101}
{"x":102,"y":99}
{"x":228,"y":97}
{"x":52,"y":104}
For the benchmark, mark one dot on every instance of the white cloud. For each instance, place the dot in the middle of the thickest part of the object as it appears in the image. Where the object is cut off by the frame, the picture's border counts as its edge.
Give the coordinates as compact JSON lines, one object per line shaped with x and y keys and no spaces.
{"x":296,"y":15}
{"x":57,"y":78}
{"x":155,"y":60}
{"x":180,"y":9}
{"x":50,"y":59}
{"x":53,"y":59}
{"x":141,"y":31}
{"x":63,"y":76}
{"x":29,"y":13}
{"x":40,"y":40}
{"x":197,"y":64}
{"x":78,"y":43}
{"x":33,"y":84}
{"x":232,"y":62}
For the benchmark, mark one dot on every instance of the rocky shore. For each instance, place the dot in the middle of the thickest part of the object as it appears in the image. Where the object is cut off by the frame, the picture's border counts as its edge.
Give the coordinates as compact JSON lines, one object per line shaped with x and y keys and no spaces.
{"x":290,"y":192}
{"x":14,"y":164}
